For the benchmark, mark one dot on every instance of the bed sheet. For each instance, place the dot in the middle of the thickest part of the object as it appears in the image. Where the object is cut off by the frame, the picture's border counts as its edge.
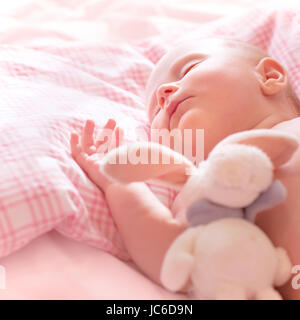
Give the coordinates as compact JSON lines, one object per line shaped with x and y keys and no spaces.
{"x":61,"y":34}
{"x":55,"y":267}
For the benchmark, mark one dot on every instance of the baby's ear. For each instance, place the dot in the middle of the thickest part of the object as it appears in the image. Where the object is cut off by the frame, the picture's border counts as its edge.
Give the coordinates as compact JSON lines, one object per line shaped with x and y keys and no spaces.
{"x":142,"y":161}
{"x":279,"y":146}
{"x":271,"y":76}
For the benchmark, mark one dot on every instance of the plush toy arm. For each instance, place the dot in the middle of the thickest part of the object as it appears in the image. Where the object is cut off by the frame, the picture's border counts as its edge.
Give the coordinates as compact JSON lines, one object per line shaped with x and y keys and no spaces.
{"x":155,"y":162}
{"x":284,"y":267}
{"x":268,"y":294}
{"x":230,"y":291}
{"x":179,"y":260}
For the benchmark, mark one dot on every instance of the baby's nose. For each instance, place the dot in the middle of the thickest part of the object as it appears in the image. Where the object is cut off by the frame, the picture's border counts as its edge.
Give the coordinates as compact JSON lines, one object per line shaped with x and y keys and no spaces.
{"x":163,"y":93}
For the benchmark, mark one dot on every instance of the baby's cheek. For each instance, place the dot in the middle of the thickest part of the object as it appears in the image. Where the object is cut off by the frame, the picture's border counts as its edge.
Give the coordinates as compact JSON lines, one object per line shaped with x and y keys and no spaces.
{"x":194,"y":118}
{"x":198,"y":133}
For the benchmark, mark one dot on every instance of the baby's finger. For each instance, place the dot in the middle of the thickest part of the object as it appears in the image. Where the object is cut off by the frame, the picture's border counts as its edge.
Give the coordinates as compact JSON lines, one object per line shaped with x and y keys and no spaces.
{"x":87,"y":140}
{"x":110,"y":124}
{"x":106,"y":132}
{"x":116,"y":138}
{"x":119,"y":132}
{"x":74,"y":140}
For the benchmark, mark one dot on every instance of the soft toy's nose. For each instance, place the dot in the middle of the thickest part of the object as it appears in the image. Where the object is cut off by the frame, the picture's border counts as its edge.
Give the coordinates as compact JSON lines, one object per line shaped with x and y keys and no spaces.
{"x":204,"y":211}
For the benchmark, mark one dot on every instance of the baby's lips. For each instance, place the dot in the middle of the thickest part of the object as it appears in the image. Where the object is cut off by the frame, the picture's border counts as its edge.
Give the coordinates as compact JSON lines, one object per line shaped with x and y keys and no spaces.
{"x":172,"y":106}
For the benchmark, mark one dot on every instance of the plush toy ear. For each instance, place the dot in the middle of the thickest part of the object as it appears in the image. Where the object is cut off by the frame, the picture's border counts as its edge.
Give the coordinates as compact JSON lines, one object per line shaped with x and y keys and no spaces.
{"x":179,"y":260}
{"x":278,"y":145}
{"x":146,"y":160}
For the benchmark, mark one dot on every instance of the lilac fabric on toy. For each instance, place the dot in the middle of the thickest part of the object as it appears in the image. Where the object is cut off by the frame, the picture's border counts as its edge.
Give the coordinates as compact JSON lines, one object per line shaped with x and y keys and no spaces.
{"x":205,"y":211}
{"x":274,"y":195}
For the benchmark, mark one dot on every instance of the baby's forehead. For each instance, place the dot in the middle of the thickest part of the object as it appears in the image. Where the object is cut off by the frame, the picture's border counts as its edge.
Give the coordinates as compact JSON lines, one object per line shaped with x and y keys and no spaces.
{"x":209,"y":46}
{"x":202,"y":46}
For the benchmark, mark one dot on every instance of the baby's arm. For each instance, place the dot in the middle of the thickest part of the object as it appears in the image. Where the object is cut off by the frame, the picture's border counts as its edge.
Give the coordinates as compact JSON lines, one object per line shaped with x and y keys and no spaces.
{"x":146,"y":225}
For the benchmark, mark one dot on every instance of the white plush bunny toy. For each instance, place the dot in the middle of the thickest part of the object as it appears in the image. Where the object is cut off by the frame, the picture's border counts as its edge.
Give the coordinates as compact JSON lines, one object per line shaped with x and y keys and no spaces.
{"x":222,"y":255}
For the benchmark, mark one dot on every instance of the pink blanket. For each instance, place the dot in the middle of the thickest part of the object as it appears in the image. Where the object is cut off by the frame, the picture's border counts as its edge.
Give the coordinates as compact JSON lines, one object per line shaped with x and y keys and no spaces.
{"x":63,"y":62}
{"x":55,"y":267}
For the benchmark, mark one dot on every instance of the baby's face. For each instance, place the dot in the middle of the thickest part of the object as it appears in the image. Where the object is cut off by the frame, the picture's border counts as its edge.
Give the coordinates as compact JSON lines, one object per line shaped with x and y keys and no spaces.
{"x":205,"y":85}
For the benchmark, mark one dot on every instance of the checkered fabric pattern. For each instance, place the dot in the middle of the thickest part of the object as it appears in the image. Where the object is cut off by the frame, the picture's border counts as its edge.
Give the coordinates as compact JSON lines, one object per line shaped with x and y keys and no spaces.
{"x":48,"y":91}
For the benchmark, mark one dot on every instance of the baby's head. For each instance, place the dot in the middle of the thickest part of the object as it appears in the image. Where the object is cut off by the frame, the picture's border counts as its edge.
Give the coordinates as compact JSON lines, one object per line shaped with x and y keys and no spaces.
{"x":219,"y":85}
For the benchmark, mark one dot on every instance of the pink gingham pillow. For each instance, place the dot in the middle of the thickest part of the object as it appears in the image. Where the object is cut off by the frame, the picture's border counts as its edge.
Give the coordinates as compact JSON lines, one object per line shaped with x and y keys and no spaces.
{"x":46,"y":93}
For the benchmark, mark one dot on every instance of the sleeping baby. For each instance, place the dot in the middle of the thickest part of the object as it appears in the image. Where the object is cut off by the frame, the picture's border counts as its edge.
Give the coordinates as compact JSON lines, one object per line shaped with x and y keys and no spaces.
{"x":221,"y":86}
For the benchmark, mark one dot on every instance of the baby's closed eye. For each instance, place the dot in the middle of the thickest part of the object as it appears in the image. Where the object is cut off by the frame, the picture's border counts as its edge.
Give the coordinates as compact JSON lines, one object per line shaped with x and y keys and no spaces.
{"x":188,"y":69}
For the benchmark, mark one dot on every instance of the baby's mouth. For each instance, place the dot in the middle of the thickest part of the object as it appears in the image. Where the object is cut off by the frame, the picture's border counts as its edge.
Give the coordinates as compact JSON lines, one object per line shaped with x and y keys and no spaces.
{"x":172,"y":106}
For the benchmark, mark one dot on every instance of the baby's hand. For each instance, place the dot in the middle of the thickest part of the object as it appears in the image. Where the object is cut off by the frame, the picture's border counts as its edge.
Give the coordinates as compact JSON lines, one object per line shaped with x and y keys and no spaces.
{"x":86,"y":151}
